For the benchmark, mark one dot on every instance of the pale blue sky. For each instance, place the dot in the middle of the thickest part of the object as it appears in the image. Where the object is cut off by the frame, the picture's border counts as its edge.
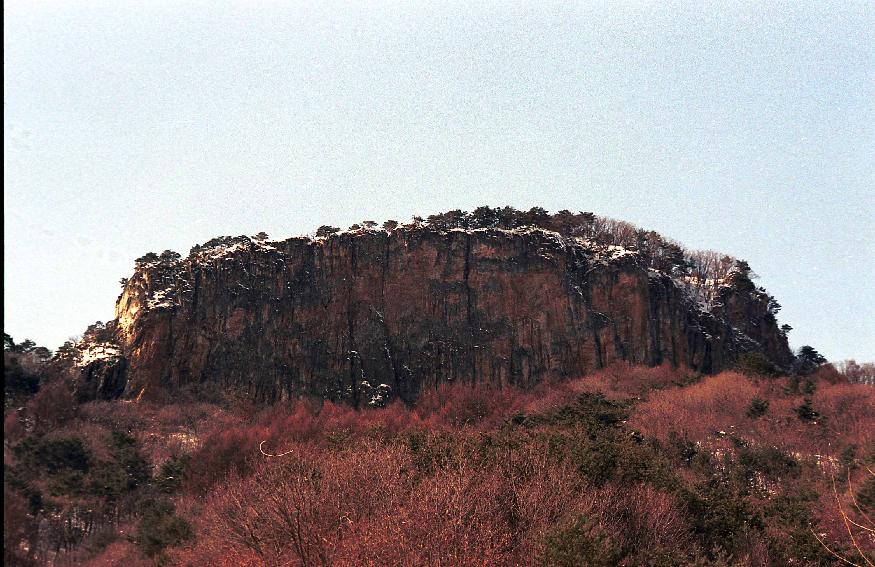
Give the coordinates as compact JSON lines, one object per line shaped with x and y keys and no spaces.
{"x":141,"y":126}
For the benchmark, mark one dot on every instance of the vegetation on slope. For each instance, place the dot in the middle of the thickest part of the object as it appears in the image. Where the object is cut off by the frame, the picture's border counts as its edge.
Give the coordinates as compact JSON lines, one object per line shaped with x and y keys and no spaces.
{"x":628,"y":466}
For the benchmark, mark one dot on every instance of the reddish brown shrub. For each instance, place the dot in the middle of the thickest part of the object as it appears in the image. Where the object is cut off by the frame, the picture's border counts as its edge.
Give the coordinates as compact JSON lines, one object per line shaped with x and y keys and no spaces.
{"x":124,"y":414}
{"x":623,"y":380}
{"x":697,"y":411}
{"x":293,"y":509}
{"x":465,"y":405}
{"x":222,"y":452}
{"x":20,"y":530}
{"x":370,"y":504}
{"x":13,"y":427}
{"x":828,"y":373}
{"x":848,"y":411}
{"x":52,"y":406}
{"x":119,"y":553}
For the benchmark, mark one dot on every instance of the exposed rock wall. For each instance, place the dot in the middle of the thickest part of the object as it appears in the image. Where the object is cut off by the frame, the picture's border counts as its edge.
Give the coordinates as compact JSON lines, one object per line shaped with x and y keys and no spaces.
{"x":369,"y":315}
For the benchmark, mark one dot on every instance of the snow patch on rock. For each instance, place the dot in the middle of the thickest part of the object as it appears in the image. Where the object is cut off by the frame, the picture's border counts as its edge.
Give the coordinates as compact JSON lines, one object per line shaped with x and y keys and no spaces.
{"x":89,"y":353}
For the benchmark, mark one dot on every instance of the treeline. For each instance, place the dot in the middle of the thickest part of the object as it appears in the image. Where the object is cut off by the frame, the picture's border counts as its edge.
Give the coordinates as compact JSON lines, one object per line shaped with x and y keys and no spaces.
{"x":661,"y":253}
{"x":856,"y":373}
{"x":22,"y":363}
{"x":703,"y":271}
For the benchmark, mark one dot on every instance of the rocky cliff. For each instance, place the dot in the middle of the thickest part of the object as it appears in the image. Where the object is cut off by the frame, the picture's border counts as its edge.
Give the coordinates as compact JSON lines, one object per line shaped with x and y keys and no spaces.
{"x":369,"y":315}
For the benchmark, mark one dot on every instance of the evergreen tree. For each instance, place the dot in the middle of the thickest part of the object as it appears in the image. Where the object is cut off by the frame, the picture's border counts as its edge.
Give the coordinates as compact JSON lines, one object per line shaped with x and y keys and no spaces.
{"x":808,"y":359}
{"x":326,"y":230}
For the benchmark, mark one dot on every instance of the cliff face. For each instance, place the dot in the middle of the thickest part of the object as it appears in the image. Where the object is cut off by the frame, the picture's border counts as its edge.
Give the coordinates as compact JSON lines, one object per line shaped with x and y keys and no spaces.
{"x":367,"y":316}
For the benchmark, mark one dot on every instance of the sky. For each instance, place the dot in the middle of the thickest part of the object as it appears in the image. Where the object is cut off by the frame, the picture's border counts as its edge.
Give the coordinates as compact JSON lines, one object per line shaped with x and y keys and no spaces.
{"x":744,"y":127}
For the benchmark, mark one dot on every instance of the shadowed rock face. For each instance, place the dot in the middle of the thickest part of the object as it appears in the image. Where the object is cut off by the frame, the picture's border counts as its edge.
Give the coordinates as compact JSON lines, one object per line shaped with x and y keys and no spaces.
{"x":369,"y":315}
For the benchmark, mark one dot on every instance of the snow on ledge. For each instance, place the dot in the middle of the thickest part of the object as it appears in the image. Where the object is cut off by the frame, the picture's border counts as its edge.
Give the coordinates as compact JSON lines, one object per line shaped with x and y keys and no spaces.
{"x":97,"y":351}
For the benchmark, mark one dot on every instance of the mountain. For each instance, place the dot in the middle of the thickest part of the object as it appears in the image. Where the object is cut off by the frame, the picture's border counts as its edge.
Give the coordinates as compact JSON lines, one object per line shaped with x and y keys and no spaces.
{"x":515,"y":387}
{"x":367,"y":315}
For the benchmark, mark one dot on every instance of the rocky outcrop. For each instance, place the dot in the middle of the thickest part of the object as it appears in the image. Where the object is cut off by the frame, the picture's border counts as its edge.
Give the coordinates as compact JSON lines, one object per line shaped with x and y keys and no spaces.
{"x":102,"y":379}
{"x":369,"y":315}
